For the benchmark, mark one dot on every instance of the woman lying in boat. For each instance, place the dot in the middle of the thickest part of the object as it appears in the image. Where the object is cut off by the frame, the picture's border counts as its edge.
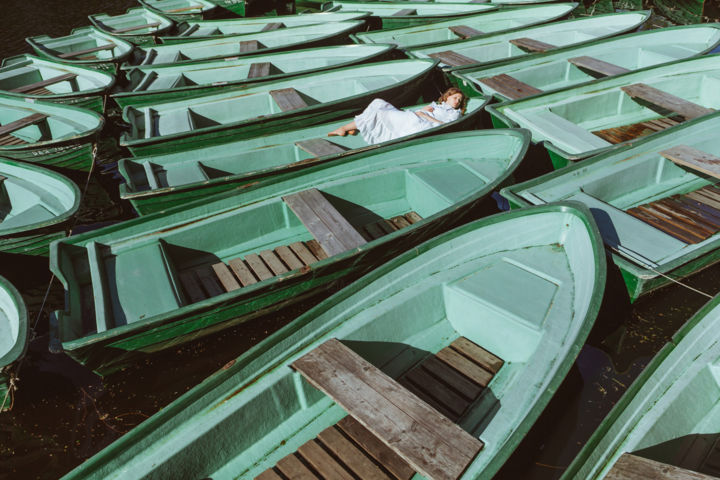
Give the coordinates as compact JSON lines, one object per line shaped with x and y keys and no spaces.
{"x":380,"y":121}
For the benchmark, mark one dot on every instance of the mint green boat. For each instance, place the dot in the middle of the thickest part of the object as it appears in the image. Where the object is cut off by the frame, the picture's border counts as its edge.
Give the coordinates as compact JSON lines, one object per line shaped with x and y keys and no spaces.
{"x":36,"y":206}
{"x":669,"y":413}
{"x":492,"y":22}
{"x":139,"y":26}
{"x":517,"y":292}
{"x":656,"y":215}
{"x":488,"y":49}
{"x":591,"y":118}
{"x":237,"y":114}
{"x":244,"y":45}
{"x":406,"y":14}
{"x":34,"y":78}
{"x":182,"y":10}
{"x":14,"y":336}
{"x":162,"y":181}
{"x":206,"y":29}
{"x":85,"y":47}
{"x":150,"y":84}
{"x":116,"y":312}
{"x":49,"y":134}
{"x":572,"y":66}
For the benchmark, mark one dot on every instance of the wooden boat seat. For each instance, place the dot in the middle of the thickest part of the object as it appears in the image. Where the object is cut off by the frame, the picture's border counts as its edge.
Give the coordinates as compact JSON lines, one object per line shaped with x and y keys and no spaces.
{"x":208,"y":281}
{"x":6,"y":139}
{"x":35,"y":88}
{"x":449,"y":381}
{"x":80,"y":54}
{"x":633,"y":467}
{"x":463,"y":31}
{"x":666,"y":101}
{"x":272,"y":26}
{"x":624,"y":133}
{"x":262,"y":69}
{"x":599,"y":67}
{"x":250,"y":46}
{"x":319,"y":147}
{"x":135,"y":27}
{"x":531,"y":45}
{"x":452,"y":58}
{"x":289,"y":99}
{"x":510,"y":87}
{"x":404,"y":12}
{"x":694,"y":158}
{"x":184,"y":9}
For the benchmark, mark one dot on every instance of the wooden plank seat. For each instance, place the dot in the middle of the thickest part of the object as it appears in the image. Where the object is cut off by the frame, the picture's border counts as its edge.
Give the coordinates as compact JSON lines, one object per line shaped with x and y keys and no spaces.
{"x":690,"y":217}
{"x":404,"y":12}
{"x":80,"y":54}
{"x":250,"y":46}
{"x":135,"y":28}
{"x":463,"y":31}
{"x":666,"y":101}
{"x":36,"y":87}
{"x":452,"y":58}
{"x":510,"y":87}
{"x":381,"y":410}
{"x":597,"y":66}
{"x":632,"y":131}
{"x":693,"y":158}
{"x":184,"y":9}
{"x":319,"y":147}
{"x":259,"y":69}
{"x":532,"y":45}
{"x":6,"y":139}
{"x":633,"y":467}
{"x":288,"y":99}
{"x":272,"y":26}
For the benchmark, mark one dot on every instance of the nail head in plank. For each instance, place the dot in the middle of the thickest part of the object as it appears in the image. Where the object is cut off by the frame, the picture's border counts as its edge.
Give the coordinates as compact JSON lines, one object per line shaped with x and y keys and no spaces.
{"x":350,"y":455}
{"x":693,"y":158}
{"x":452,"y":58}
{"x":272,"y":26}
{"x":469,"y":369}
{"x":597,"y":66}
{"x":242,"y":272}
{"x":322,"y":462}
{"x":477,"y":354}
{"x":463,"y":31}
{"x":376,"y":448}
{"x":666,"y":100}
{"x":227,"y":279}
{"x":44,"y":83}
{"x":633,"y":467}
{"x":291,"y":467}
{"x":288,"y":99}
{"x":108,"y":46}
{"x":273,"y":262}
{"x":319,"y":147}
{"x":437,"y":448}
{"x":22,"y":123}
{"x":288,"y":257}
{"x":191,"y":286}
{"x":305,"y":255}
{"x":250,"y":46}
{"x":404,"y":12}
{"x":209,"y":281}
{"x":259,"y":69}
{"x":258,"y":267}
{"x":136,"y":27}
{"x":510,"y":87}
{"x":532,"y":45}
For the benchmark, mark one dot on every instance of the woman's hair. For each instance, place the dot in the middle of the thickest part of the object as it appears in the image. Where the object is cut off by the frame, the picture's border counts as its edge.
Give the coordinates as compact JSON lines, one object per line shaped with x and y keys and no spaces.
{"x":453,"y":91}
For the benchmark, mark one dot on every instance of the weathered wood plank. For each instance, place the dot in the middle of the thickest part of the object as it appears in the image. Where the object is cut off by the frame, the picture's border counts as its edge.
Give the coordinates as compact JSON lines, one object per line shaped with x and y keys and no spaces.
{"x":269,"y":475}
{"x":701,"y":225}
{"x":452,"y":377}
{"x":44,"y":83}
{"x":598,"y":66}
{"x":477,"y":354}
{"x":706,"y":211}
{"x":432,"y":387}
{"x":413,"y":217}
{"x":510,"y":87}
{"x":272,"y":26}
{"x":387,"y":225}
{"x":404,"y":12}
{"x":632,"y":467}
{"x":665,"y":100}
{"x":250,"y":46}
{"x":77,"y":53}
{"x":273,"y":262}
{"x":436,"y":448}
{"x":288,"y":99}
{"x":350,"y":455}
{"x":191,"y":286}
{"x":316,"y":249}
{"x":374,"y":230}
{"x":9,"y":140}
{"x":668,"y":220}
{"x":400,"y":222}
{"x":699,"y":197}
{"x":242,"y":272}
{"x":302,"y":252}
{"x":135,"y":27}
{"x":22,"y":123}
{"x":687,"y":156}
{"x":532,"y":45}
{"x":291,"y":467}
{"x":184,"y":9}
{"x":465,"y":366}
{"x":227,"y":279}
{"x":319,"y":147}
{"x":259,"y":69}
{"x":288,"y":257}
{"x":662,"y":225}
{"x":322,"y":462}
{"x":452,"y":58}
{"x":258,"y":267}
{"x":463,"y":31}
{"x":439,"y":407}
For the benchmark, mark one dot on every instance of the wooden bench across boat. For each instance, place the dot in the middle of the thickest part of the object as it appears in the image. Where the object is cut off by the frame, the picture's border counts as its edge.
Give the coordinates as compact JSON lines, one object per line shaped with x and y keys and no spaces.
{"x":373,"y":440}
{"x":633,"y":467}
{"x":6,"y":130}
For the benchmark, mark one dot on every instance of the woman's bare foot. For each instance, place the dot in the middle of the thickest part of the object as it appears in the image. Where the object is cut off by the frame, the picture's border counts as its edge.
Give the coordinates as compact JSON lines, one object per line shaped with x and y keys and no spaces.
{"x":338,"y":132}
{"x":353,"y":131}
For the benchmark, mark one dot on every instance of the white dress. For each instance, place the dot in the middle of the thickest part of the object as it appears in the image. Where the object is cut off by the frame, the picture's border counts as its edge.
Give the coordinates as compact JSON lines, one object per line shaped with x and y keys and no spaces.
{"x":380,"y":121}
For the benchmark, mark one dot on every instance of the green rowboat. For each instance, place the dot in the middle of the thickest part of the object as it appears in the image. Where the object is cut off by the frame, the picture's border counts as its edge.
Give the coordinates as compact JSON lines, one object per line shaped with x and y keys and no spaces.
{"x":476,"y":25}
{"x":406,"y":14}
{"x":657,"y":217}
{"x":203,"y":30}
{"x":244,"y":45}
{"x":578,"y":122}
{"x":236,"y":114}
{"x":572,"y":66}
{"x":150,"y":84}
{"x":116,"y":311}
{"x":85,"y":46}
{"x":14,"y":335}
{"x":517,"y":293}
{"x":181,"y":10}
{"x":488,"y":49}
{"x":162,"y":181}
{"x":47,"y":133}
{"x":139,"y":26}
{"x":669,"y":414}
{"x":36,"y":206}
{"x":34,"y":78}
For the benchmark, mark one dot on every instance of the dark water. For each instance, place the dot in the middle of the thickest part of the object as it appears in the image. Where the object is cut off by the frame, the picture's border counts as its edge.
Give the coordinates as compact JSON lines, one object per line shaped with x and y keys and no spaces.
{"x":63,"y":413}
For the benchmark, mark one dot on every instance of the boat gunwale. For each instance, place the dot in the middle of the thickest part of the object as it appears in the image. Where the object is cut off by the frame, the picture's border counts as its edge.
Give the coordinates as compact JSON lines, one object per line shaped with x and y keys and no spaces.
{"x":23,"y":337}
{"x":87,"y":31}
{"x":432,"y":17}
{"x":96,"y":22}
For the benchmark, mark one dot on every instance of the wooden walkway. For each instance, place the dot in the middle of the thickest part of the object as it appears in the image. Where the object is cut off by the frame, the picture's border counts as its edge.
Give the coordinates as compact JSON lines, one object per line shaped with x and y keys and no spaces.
{"x":392,"y":431}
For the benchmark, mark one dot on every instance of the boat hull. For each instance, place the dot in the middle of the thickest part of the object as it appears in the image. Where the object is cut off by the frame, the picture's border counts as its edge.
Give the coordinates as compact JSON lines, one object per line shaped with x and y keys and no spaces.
{"x":14,"y":324}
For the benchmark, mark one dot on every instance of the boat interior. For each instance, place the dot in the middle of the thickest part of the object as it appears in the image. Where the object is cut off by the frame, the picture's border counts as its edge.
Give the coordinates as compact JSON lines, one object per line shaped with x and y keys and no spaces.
{"x":21,"y":126}
{"x":82,"y":44}
{"x":9,"y":324}
{"x":35,"y":77}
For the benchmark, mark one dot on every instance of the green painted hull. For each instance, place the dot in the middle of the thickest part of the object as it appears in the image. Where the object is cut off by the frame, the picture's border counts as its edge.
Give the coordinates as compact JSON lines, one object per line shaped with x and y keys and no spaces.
{"x":238,"y":114}
{"x":489,"y":49}
{"x":130,"y":21}
{"x":250,"y":160}
{"x":14,"y":334}
{"x":181,"y":10}
{"x":138,"y":314}
{"x":492,"y":22}
{"x":552,"y":71}
{"x":669,"y":413}
{"x":212,"y":77}
{"x":621,"y":179}
{"x":233,"y":425}
{"x":563,"y":121}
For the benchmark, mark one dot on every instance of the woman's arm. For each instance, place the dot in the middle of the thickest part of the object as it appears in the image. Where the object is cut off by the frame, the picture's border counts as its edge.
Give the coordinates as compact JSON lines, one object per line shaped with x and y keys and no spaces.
{"x":424,"y":115}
